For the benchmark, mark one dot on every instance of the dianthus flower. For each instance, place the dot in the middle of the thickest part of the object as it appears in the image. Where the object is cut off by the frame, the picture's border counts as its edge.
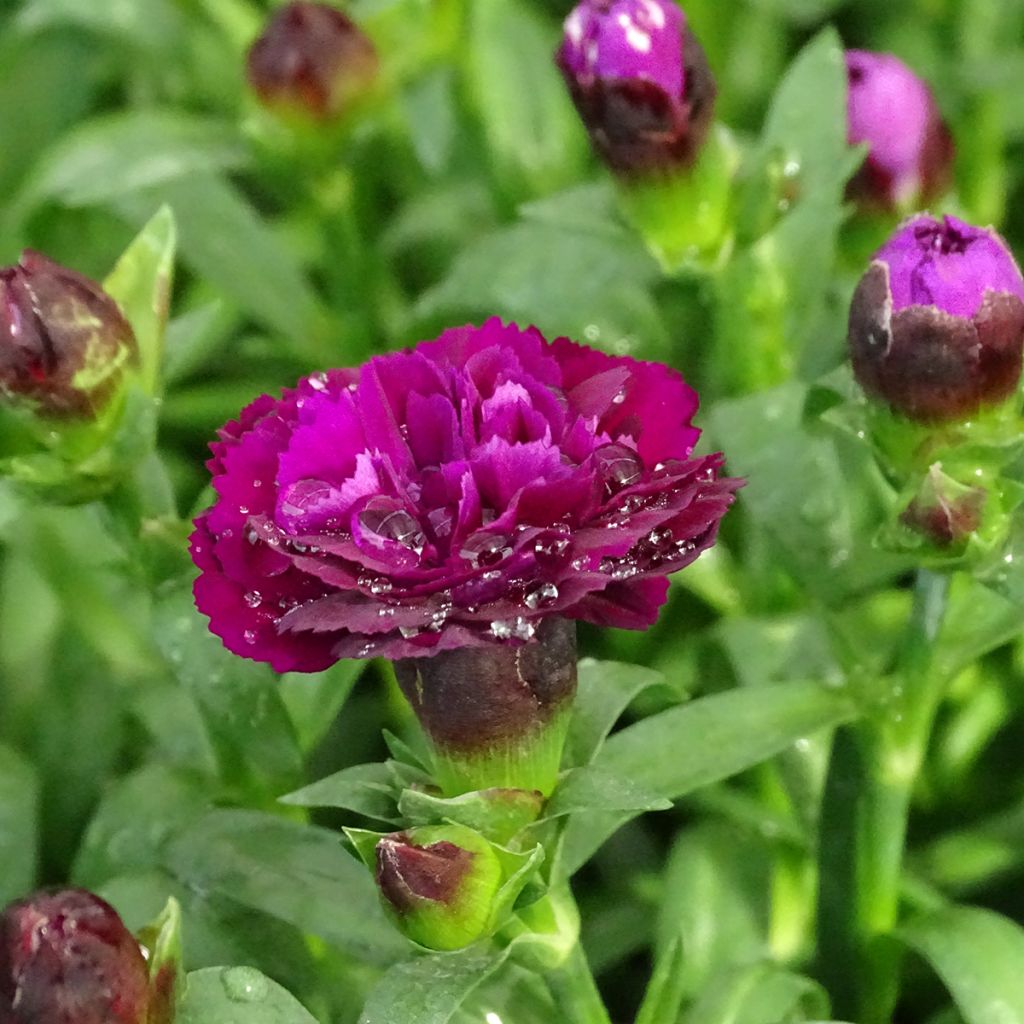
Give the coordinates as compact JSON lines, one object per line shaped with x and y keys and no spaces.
{"x":454,"y":495}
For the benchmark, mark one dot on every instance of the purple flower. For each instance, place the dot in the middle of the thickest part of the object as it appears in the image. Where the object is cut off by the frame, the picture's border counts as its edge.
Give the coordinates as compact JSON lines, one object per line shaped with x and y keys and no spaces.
{"x":453,"y":495}
{"x":910,"y":150}
{"x":67,"y":957}
{"x":640,"y":82}
{"x":937,"y":322}
{"x":64,"y":344}
{"x":311,"y":59}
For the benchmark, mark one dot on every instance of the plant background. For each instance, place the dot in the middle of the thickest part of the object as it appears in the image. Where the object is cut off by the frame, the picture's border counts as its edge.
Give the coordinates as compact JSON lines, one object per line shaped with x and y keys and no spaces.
{"x":137,"y":758}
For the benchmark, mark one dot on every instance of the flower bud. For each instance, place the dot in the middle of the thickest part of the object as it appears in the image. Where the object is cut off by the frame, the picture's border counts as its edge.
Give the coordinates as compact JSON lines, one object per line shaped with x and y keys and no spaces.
{"x":311,"y":60}
{"x":640,"y":82}
{"x":944,"y":510}
{"x":64,"y":344}
{"x":440,"y":883}
{"x":910,"y":152}
{"x":496,"y":717}
{"x":936,"y":324}
{"x":67,"y":958}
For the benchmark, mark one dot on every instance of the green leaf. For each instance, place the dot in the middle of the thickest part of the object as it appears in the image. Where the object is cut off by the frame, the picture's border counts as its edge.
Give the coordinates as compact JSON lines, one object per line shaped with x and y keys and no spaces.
{"x":19,"y":825}
{"x":314,"y":699}
{"x":591,"y":789}
{"x":582,"y":284}
{"x":226,"y":242}
{"x":238,"y":995}
{"x":498,"y":814}
{"x":297,"y":873}
{"x":715,"y":902}
{"x":979,"y":955}
{"x":705,"y":741}
{"x":141,"y":285}
{"x":367,"y":789}
{"x":147,"y":23}
{"x":605,"y":690}
{"x":245,"y":718}
{"x":664,"y":994}
{"x":136,"y":816}
{"x":759,"y":994}
{"x":429,"y":990}
{"x":107,"y":156}
{"x":533,"y":133}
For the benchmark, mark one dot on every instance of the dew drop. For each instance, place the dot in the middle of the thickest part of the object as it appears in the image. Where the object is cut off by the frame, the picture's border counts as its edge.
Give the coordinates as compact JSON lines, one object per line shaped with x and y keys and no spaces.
{"x":386,"y":611}
{"x":618,"y":465}
{"x":384,"y":522}
{"x":541,"y":594}
{"x":518,"y":629}
{"x":249,"y":636}
{"x":367,"y":649}
{"x":318,"y":381}
{"x":254,"y":599}
{"x":244,"y":984}
{"x":257,"y":483}
{"x":485,"y":549}
{"x":409,"y":632}
{"x":376,"y":585}
{"x":549,"y":549}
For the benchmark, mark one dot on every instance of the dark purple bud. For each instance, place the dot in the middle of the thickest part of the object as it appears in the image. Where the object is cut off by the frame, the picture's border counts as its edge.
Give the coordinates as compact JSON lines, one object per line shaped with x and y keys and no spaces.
{"x":67,"y":958}
{"x":937,"y":322}
{"x":945,"y":511}
{"x":496,"y":716}
{"x":640,"y":82}
{"x":311,"y":59}
{"x":64,"y":344}
{"x":910,"y":154}
{"x":440,"y":883}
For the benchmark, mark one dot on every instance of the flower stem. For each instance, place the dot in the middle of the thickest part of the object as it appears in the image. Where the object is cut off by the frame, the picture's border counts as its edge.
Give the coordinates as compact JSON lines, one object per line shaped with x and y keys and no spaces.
{"x":872,"y":773}
{"x":575,"y":991}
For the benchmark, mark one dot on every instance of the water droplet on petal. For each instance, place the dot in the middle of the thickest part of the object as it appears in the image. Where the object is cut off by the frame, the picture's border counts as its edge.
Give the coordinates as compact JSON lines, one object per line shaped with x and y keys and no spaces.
{"x":409,"y":632}
{"x":619,"y":466}
{"x":519,"y":629}
{"x":254,"y":599}
{"x":385,"y":527}
{"x":549,"y":549}
{"x":249,"y":636}
{"x":485,"y":549}
{"x":541,"y":594}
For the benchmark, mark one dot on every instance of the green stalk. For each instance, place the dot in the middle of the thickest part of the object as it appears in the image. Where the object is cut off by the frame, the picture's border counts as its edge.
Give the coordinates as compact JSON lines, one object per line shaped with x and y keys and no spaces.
{"x":872,"y":773}
{"x":575,"y":991}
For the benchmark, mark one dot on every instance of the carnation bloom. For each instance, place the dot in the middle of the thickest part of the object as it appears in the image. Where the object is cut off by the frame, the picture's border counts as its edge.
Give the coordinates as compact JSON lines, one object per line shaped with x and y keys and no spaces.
{"x":453,"y":495}
{"x":892,"y":110}
{"x":937,"y":321}
{"x":640,"y":82}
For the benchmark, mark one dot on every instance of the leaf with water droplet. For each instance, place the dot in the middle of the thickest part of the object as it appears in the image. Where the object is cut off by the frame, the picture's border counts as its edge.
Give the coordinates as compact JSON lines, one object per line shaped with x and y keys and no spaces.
{"x":238,"y":995}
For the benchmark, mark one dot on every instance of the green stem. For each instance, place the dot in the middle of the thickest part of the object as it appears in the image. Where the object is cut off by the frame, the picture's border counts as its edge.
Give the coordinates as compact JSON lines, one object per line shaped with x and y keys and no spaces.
{"x":872,"y":773}
{"x":575,"y":991}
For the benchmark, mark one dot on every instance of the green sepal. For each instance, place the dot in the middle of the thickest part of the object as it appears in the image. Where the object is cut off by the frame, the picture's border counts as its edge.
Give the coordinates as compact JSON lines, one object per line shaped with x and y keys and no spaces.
{"x":543,"y":934}
{"x":498,"y":814}
{"x":162,"y":940}
{"x":684,"y":217}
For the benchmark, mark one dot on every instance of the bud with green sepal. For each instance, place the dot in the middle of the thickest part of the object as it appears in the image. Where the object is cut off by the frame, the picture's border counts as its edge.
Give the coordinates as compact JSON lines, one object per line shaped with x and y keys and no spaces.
{"x":641,"y":83}
{"x":78,"y":368}
{"x":496,"y":717}
{"x":936,"y":337}
{"x":161,"y":941}
{"x":445,"y":886}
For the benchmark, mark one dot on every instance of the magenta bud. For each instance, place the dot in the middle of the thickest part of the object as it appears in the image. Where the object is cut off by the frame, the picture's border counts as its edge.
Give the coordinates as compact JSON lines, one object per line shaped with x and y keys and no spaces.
{"x":936,"y":324}
{"x":640,"y":81}
{"x":311,"y":60}
{"x":67,"y":958}
{"x":910,"y":149}
{"x":440,"y":884}
{"x":64,"y":343}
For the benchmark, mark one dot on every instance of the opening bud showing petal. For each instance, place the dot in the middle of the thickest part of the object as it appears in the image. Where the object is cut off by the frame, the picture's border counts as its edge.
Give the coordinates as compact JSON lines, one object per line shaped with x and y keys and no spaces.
{"x":67,"y":957}
{"x":910,"y":149}
{"x":496,"y":717}
{"x":945,"y":511}
{"x":640,"y":82}
{"x":936,"y":325}
{"x":64,"y":343}
{"x":440,"y":884}
{"x":311,"y":60}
